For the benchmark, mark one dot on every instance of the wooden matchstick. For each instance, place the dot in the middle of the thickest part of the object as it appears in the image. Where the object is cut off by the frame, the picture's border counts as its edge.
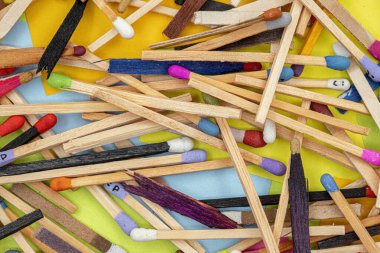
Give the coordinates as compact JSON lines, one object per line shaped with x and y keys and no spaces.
{"x":261,"y":5}
{"x":241,"y":33}
{"x":142,"y":234}
{"x":345,"y":249}
{"x":344,"y":17}
{"x":329,"y":183}
{"x":366,"y":63}
{"x":123,"y":5}
{"x":12,"y":16}
{"x":278,"y":63}
{"x":130,"y":20}
{"x":333,"y":84}
{"x":303,"y":22}
{"x":333,"y":62}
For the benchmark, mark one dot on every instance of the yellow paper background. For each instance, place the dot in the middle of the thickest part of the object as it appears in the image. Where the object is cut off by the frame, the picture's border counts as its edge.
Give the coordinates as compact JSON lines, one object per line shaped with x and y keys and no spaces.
{"x":45,"y":16}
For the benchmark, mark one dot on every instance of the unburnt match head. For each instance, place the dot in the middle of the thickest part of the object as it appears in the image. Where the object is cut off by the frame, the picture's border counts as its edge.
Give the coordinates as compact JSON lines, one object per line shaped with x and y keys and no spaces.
{"x":338,"y":84}
{"x":123,"y":28}
{"x":283,"y":21}
{"x":208,"y":127}
{"x":253,"y":138}
{"x":273,"y":166}
{"x":7,"y":71}
{"x":116,"y":249}
{"x":374,"y":49}
{"x":329,"y":183}
{"x":143,"y":235}
{"x":12,"y":124}
{"x":269,"y":132}
{"x":286,"y":74}
{"x":337,"y":62}
{"x":180,"y":145}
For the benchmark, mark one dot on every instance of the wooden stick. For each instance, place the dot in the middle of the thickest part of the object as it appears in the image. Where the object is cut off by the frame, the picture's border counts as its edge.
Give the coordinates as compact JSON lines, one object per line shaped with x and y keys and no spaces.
{"x":276,"y":117}
{"x":219,"y":18}
{"x":278,"y":63}
{"x":12,"y":16}
{"x":216,"y":31}
{"x":249,"y":188}
{"x":168,"y":55}
{"x":303,"y":22}
{"x":18,"y":237}
{"x":334,"y":83}
{"x":367,"y":64}
{"x":261,"y":5}
{"x":231,"y":233}
{"x":25,"y":208}
{"x":131,"y":19}
{"x":304,"y":94}
{"x":328,"y":182}
{"x":123,"y":5}
{"x":346,"y":249}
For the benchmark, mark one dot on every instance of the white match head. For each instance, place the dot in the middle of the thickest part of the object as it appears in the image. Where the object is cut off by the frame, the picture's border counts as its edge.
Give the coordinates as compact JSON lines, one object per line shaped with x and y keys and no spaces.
{"x":338,"y":84}
{"x":235,"y":251}
{"x":116,"y":249}
{"x":180,"y":145}
{"x":143,"y":235}
{"x":123,"y":28}
{"x":339,"y":49}
{"x":269,"y":131}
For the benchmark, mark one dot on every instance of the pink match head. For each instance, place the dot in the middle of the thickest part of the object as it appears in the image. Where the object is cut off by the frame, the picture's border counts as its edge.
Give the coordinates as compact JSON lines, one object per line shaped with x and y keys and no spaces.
{"x":179,"y":72}
{"x":79,"y":50}
{"x":371,"y":156}
{"x":45,"y":123}
{"x":374,"y":49}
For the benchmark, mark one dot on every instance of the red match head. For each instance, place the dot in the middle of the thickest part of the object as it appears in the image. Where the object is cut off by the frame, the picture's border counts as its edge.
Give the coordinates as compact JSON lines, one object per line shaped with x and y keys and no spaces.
{"x":12,"y":124}
{"x":252,"y":66}
{"x":369,"y":193}
{"x":46,"y":123}
{"x":7,"y":71}
{"x":254,"y":138}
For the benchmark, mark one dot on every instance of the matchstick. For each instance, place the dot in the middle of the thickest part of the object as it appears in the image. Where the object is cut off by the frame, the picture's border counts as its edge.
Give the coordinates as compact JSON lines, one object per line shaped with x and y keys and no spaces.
{"x":205,"y":84}
{"x":142,"y":234}
{"x":345,"y":249}
{"x":11,"y":124}
{"x":123,"y":5}
{"x":365,"y":62}
{"x":261,"y":5}
{"x":12,"y":16}
{"x":303,"y":22}
{"x":333,"y":62}
{"x":329,"y":183}
{"x":333,"y":84}
{"x":241,"y":33}
{"x":18,"y":237}
{"x":130,"y":20}
{"x":362,"y":86}
{"x":219,"y":18}
{"x":121,"y":26}
{"x":117,"y":190}
{"x":278,"y":63}
{"x":304,"y":94}
{"x":19,"y":57}
{"x":10,"y":83}
{"x":344,"y":17}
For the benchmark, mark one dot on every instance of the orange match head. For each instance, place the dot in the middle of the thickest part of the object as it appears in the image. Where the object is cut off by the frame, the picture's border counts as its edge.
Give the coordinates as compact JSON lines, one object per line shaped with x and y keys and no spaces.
{"x":271,"y":14}
{"x":60,"y":184}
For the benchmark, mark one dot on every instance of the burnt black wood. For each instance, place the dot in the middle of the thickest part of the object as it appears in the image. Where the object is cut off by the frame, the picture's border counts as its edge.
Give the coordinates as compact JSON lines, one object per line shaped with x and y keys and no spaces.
{"x":25,"y":137}
{"x":87,"y":159}
{"x":210,"y":5}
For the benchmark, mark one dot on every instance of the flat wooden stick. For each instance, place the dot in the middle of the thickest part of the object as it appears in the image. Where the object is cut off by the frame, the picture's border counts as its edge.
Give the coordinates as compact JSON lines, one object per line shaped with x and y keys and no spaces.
{"x":12,"y":16}
{"x":249,"y":188}
{"x":345,"y":249}
{"x":131,"y":19}
{"x":334,"y":83}
{"x":303,"y":22}
{"x":261,"y":5}
{"x":278,"y":63}
{"x":219,"y":18}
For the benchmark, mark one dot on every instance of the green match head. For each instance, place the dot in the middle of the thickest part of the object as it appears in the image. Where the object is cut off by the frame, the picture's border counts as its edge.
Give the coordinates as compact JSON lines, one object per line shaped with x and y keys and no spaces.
{"x":211,"y":100}
{"x":59,"y":81}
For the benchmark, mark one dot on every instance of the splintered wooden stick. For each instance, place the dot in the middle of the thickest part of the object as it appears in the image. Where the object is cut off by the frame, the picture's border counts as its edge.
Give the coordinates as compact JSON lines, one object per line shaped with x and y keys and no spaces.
{"x":304,"y":94}
{"x":12,"y":16}
{"x":333,"y":62}
{"x":366,"y":63}
{"x":348,"y":21}
{"x":303,"y":22}
{"x":143,"y":234}
{"x":278,"y":63}
{"x":184,"y":15}
{"x":241,"y":33}
{"x":249,"y":188}
{"x":329,"y":183}
{"x":216,"y":31}
{"x":130,"y":20}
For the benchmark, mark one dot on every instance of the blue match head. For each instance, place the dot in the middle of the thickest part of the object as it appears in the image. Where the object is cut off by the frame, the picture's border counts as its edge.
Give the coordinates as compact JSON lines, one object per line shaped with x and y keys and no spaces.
{"x":12,"y":251}
{"x":337,"y":62}
{"x":2,"y":204}
{"x":286,"y":74}
{"x":329,"y":183}
{"x":283,"y":21}
{"x":208,"y":127}
{"x":125,"y":222}
{"x":194,"y":156}
{"x":272,"y":166}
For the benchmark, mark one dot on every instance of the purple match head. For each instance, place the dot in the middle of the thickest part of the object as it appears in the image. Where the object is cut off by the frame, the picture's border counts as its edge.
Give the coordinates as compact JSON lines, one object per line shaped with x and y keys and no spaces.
{"x":372,"y":69}
{"x":194,"y":156}
{"x":371,"y":157}
{"x":329,"y":183}
{"x":374,"y":49}
{"x":297,"y":69}
{"x":79,"y":50}
{"x":125,"y":222}
{"x":116,"y":189}
{"x":6,"y":157}
{"x":179,"y":72}
{"x":275,"y":167}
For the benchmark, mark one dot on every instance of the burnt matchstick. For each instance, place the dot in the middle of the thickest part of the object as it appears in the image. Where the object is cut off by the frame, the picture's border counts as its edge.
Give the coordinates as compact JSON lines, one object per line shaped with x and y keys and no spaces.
{"x":177,"y":145}
{"x":57,"y":45}
{"x":13,"y":123}
{"x":20,"y":223}
{"x":10,"y":83}
{"x":44,"y":124}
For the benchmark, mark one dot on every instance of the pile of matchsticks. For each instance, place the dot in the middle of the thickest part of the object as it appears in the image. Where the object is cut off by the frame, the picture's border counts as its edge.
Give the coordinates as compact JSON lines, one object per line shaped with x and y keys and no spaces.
{"x":130,"y":101}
